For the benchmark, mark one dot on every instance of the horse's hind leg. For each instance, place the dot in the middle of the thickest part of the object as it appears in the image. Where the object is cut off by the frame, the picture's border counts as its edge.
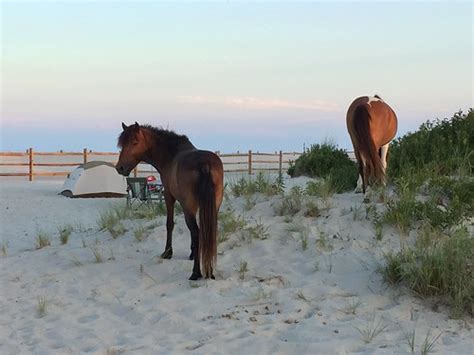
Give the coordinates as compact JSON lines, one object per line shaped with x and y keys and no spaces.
{"x":194,"y":229}
{"x":383,"y":155}
{"x":170,"y":201}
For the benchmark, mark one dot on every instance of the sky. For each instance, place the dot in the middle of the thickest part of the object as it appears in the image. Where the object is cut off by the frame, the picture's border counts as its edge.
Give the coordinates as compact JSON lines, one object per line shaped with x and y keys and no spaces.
{"x":230,"y":75}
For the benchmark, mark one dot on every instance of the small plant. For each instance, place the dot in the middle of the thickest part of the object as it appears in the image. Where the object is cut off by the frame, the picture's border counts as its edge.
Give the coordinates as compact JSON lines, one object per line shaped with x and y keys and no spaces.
{"x":255,"y":231}
{"x":229,"y":223}
{"x":351,"y":306}
{"x":312,"y":210}
{"x":107,"y":220}
{"x":291,"y":204}
{"x":117,"y":230}
{"x":41,"y":306}
{"x":249,"y":202}
{"x":323,"y":242}
{"x":140,"y":233}
{"x":243,"y":269}
{"x":304,"y":241}
{"x":97,"y":255}
{"x":4,"y":249}
{"x":429,"y":343}
{"x":42,"y":240}
{"x":300,"y":295}
{"x":64,"y":233}
{"x":378,"y":230}
{"x":410,"y":339}
{"x":372,"y":330}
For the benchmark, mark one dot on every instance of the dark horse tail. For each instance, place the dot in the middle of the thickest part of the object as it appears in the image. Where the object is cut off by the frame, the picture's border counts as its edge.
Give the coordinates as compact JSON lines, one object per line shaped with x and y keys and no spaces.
{"x":373,"y":169}
{"x":207,"y":221}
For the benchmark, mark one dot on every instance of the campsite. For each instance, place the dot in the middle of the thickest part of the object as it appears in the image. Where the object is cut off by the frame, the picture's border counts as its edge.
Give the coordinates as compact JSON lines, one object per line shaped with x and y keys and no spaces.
{"x":235,"y":177}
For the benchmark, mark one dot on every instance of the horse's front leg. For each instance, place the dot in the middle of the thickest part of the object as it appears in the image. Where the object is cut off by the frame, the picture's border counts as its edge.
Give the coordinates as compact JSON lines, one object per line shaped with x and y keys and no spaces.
{"x":169,"y":201}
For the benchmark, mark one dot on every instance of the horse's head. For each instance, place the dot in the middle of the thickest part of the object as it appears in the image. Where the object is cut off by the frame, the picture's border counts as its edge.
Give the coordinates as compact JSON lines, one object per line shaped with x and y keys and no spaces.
{"x":133,"y":146}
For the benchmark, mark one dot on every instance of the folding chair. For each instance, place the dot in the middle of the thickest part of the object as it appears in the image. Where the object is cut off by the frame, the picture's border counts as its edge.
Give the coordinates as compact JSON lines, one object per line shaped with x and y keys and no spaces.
{"x":137,"y":192}
{"x":140,"y":193}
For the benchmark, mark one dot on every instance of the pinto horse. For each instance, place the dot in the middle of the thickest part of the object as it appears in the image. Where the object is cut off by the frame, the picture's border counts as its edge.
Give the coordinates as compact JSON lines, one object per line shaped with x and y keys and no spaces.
{"x":372,"y":124}
{"x":192,"y":177}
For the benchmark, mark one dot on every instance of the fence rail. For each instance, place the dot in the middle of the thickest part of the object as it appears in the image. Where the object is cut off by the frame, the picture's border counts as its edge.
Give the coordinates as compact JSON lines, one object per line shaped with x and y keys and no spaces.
{"x":34,"y":163}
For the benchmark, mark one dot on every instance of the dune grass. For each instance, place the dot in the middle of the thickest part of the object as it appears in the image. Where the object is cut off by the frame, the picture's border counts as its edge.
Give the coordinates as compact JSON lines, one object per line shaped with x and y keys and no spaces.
{"x":437,"y":266}
{"x":64,"y":232}
{"x":261,"y":184}
{"x":42,"y":240}
{"x":229,"y":223}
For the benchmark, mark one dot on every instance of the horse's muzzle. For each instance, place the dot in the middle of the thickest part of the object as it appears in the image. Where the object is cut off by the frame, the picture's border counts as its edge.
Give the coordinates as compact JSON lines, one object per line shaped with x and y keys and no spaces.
{"x":122,"y":171}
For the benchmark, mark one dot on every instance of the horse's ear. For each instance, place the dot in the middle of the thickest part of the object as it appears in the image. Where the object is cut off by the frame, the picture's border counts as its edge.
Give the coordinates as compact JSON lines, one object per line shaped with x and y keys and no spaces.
{"x":124,"y":126}
{"x":136,"y":124}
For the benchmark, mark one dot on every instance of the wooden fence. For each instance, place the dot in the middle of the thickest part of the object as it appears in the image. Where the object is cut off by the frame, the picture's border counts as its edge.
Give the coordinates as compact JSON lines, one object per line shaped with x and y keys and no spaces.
{"x":30,"y":161}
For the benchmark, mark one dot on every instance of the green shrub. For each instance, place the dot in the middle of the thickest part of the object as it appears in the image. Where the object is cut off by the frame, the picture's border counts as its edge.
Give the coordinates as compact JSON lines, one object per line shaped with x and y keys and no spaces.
{"x":324,"y":160}
{"x":442,"y":147}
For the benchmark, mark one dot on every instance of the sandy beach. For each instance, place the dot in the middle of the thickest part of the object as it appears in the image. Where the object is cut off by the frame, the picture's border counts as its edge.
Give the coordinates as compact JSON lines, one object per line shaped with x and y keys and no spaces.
{"x":319,"y":296}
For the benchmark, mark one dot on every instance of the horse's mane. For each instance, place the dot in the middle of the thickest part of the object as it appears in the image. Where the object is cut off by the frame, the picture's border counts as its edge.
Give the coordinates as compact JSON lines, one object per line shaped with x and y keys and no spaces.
{"x":168,"y":136}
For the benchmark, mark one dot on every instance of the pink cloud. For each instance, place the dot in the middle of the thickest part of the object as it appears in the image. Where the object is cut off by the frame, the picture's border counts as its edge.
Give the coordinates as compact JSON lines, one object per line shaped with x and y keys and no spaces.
{"x":259,"y":104}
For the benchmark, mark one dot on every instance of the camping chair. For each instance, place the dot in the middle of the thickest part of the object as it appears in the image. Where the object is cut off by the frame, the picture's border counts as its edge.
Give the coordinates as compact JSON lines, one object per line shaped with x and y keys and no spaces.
{"x":138,"y":192}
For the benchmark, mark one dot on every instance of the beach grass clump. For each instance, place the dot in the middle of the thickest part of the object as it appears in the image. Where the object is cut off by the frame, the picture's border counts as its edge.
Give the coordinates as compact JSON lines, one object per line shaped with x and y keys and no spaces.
{"x":311,"y":209}
{"x":5,"y":249}
{"x":110,"y":220}
{"x":291,"y":203}
{"x":261,"y":184}
{"x":437,"y":265}
{"x":41,"y":306}
{"x":64,"y":233}
{"x":243,"y":269}
{"x":324,"y":160}
{"x":257,"y":231}
{"x":42,"y":240}
{"x":371,"y":330}
{"x":97,"y":254}
{"x":140,"y":233}
{"x":150,"y":211}
{"x":228,"y":223}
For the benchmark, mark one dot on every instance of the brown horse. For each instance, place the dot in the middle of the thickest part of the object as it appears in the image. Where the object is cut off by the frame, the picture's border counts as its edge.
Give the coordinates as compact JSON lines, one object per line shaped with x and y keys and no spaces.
{"x":191,"y":176}
{"x":372,"y":124}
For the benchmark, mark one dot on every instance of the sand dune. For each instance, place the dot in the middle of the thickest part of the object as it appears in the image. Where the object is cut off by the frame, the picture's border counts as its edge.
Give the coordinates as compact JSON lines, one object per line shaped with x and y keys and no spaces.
{"x":319,"y":296}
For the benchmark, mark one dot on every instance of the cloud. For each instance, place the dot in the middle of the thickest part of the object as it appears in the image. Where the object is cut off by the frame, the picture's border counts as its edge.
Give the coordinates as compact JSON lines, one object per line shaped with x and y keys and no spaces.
{"x":259,"y":104}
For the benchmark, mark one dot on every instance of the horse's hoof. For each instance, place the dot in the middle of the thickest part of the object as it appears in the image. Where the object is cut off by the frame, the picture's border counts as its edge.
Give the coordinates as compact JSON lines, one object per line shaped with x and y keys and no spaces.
{"x":167,"y":254}
{"x":195,"y":276}
{"x":191,"y":256}
{"x":213,"y":277}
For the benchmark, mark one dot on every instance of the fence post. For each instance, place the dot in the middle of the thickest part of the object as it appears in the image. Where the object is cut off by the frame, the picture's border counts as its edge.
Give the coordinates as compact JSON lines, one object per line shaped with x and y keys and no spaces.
{"x":280,"y":162}
{"x":250,"y":162}
{"x":30,"y":175}
{"x":84,"y":154}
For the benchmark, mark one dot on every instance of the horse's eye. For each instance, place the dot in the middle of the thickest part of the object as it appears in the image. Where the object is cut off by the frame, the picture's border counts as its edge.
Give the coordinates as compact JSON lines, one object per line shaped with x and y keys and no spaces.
{"x":134,"y":143}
